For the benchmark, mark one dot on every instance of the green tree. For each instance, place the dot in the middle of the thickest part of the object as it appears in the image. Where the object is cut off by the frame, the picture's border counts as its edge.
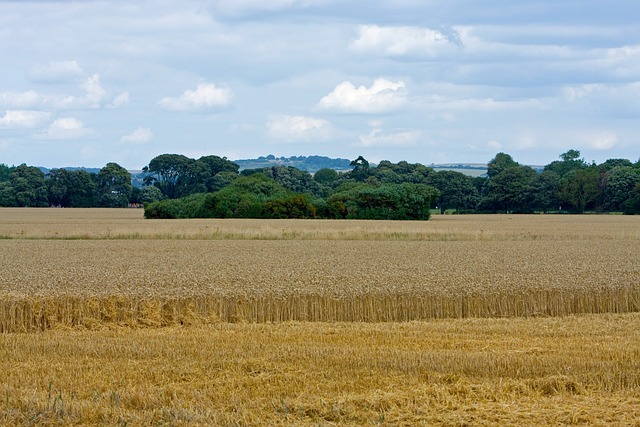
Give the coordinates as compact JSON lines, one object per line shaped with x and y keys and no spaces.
{"x":325,"y":176}
{"x":510,"y":190}
{"x":568,"y":162}
{"x":499,"y":163}
{"x":5,"y":172}
{"x":361,"y":169}
{"x":544,"y":190}
{"x":83,"y":189}
{"x":170,"y":173}
{"x":150,"y":194}
{"x":114,"y":186}
{"x":620,"y":183}
{"x":387,"y":201}
{"x":579,"y":188}
{"x":218,"y":172}
{"x":457,"y":191}
{"x":28,"y":186}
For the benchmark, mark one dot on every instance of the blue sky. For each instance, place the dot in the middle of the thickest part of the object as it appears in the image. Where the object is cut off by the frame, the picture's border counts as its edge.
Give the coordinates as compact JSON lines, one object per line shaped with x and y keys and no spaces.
{"x":84,"y":83}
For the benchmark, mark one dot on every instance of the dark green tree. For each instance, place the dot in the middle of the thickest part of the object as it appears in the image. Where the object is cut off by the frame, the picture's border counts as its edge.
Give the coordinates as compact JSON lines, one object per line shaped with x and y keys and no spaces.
{"x":169,"y":172}
{"x":544,"y":190}
{"x":568,"y":162}
{"x":499,"y":163}
{"x":457,"y":191}
{"x":620,"y":183}
{"x":28,"y":186}
{"x":579,"y":188}
{"x":361,"y":169}
{"x":510,"y":190}
{"x":114,"y":186}
{"x":325,"y":176}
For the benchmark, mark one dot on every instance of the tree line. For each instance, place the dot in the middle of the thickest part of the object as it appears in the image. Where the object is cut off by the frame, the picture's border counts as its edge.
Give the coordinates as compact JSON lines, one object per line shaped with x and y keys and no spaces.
{"x":176,"y":186}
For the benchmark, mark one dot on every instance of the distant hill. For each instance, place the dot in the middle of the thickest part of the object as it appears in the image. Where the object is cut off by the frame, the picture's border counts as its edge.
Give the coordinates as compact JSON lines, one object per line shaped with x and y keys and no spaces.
{"x":310,"y":164}
{"x":69,"y":168}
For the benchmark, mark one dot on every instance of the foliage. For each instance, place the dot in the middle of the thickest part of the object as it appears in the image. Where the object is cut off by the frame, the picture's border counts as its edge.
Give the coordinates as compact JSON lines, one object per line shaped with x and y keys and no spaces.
{"x":114,"y":186}
{"x":388,"y":201}
{"x":25,"y":187}
{"x":567,"y":184}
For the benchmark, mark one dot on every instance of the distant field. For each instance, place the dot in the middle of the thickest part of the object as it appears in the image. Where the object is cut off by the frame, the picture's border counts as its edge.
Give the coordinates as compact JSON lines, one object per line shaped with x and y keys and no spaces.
{"x":467,"y":171}
{"x":478,"y":320}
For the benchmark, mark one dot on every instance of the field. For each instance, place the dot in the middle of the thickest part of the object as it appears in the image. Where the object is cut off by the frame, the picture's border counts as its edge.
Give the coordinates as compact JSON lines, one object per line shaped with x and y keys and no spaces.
{"x":107,"y":318}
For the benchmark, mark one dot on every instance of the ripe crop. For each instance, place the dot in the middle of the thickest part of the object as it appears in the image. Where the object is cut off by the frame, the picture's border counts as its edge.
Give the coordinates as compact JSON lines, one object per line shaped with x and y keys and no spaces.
{"x":461,"y":320}
{"x":84,"y":271}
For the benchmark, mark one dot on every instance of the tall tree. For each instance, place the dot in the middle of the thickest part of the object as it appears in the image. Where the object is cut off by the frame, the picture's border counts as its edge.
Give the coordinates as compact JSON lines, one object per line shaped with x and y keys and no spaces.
{"x":499,"y":163}
{"x":568,"y":162}
{"x":510,"y":190}
{"x":28,"y":186}
{"x":620,"y":183}
{"x":114,"y":186}
{"x":457,"y":191}
{"x":579,"y":188}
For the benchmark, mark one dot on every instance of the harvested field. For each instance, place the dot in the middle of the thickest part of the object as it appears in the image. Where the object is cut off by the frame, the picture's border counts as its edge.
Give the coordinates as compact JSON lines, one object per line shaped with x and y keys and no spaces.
{"x":485,"y":372}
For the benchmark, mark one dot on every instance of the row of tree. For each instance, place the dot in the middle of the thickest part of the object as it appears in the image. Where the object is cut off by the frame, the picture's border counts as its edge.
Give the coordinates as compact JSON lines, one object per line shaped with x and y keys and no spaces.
{"x":213,"y":186}
{"x":28,"y":186}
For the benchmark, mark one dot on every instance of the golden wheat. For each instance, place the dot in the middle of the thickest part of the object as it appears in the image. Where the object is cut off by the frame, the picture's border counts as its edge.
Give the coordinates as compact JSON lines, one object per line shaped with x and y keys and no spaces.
{"x":537,"y":371}
{"x":99,"y":283}
{"x":49,"y":282}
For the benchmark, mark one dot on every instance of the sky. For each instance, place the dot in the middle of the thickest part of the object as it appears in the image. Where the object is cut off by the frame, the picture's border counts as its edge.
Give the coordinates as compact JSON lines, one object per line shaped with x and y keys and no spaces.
{"x":86,"y":82}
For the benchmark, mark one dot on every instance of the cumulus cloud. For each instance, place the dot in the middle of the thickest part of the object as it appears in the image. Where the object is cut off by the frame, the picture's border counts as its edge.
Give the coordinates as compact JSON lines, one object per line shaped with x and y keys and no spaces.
{"x":139,"y":136}
{"x":400,"y":41}
{"x":205,"y":96}
{"x":603,"y":140}
{"x":22,"y":119}
{"x":95,"y":94}
{"x":377,"y":138}
{"x":120,"y":100}
{"x":55,"y":72}
{"x":383,"y":96}
{"x":66,"y":128}
{"x":93,"y":97}
{"x":298,"y":128}
{"x":12,"y":100}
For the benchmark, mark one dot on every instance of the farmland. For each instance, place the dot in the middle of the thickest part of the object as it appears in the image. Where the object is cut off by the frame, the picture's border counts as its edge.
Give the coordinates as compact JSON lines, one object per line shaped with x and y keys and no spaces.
{"x":460,"y":319}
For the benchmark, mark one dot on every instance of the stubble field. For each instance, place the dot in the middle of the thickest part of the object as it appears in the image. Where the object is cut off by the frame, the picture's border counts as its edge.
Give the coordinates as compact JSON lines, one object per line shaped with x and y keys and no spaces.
{"x":480,"y":320}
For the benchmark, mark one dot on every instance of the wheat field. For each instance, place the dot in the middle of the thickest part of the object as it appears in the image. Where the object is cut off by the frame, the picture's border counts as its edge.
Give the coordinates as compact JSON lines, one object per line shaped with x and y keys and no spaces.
{"x":110,"y":319}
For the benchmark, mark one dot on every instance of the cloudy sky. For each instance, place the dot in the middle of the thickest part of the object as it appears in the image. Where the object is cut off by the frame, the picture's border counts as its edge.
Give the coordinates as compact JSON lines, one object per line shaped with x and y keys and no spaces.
{"x":86,"y":82}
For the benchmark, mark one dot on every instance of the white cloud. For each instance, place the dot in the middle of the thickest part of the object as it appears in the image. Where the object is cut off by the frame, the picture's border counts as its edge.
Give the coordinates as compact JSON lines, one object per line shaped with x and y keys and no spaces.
{"x":383,"y":96}
{"x":55,"y":72}
{"x":139,"y":136}
{"x":120,"y":100}
{"x":494,"y":145}
{"x":400,"y":41}
{"x":376,"y":138}
{"x":205,"y":96}
{"x":93,"y":97}
{"x":22,"y":119}
{"x":95,"y":94}
{"x":66,"y":128}
{"x":299,"y":128}
{"x":27,"y":99}
{"x":603,"y":140}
